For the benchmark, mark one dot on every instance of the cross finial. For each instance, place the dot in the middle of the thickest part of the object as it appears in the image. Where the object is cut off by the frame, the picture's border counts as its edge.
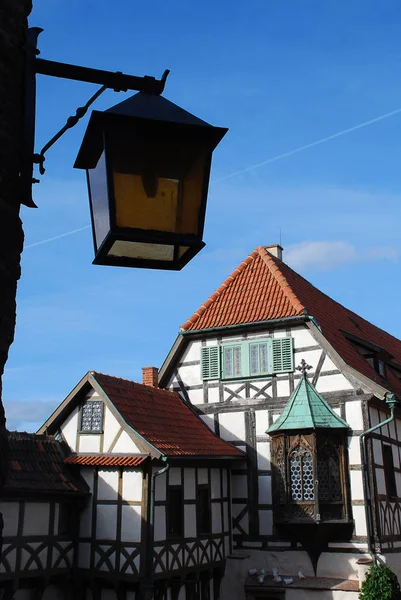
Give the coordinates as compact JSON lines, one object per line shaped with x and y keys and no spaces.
{"x":304,"y":368}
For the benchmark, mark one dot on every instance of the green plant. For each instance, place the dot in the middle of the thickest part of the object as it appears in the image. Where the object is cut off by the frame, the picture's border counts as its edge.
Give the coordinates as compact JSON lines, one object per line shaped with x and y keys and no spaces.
{"x":381,"y":583}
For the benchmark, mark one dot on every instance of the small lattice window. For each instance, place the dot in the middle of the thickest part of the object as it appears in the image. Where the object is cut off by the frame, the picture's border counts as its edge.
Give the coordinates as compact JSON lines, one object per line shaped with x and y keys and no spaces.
{"x":328,"y":473}
{"x":301,"y":473}
{"x":92,"y":416}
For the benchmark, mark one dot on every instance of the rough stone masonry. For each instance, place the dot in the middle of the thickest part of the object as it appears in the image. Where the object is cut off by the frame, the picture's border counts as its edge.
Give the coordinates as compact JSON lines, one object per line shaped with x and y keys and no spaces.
{"x":13,"y":28}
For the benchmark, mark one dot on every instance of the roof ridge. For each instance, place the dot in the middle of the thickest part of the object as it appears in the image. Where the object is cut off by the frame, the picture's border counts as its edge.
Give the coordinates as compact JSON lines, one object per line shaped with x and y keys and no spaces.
{"x":275,"y":271}
{"x":222,"y":288}
{"x":143,"y":385}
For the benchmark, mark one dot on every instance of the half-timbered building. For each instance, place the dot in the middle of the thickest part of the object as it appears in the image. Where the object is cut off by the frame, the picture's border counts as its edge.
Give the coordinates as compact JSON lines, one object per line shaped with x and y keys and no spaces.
{"x":157,"y":522}
{"x":303,"y":500}
{"x":262,"y":461}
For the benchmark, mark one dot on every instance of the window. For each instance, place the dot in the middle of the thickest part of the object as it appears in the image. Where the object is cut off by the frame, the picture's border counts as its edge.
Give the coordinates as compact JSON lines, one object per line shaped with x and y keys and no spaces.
{"x":389,"y":474}
{"x":232,"y":361}
{"x":92,"y":416}
{"x":251,"y":358}
{"x":203,"y":510}
{"x":175,"y":512}
{"x":301,"y":473}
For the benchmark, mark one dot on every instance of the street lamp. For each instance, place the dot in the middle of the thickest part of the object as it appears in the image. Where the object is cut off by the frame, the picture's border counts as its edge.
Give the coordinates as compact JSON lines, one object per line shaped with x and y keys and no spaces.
{"x":147,"y":163}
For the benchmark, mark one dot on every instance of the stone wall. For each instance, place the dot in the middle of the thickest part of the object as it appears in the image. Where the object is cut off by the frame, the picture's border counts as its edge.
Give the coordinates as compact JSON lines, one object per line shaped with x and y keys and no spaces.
{"x":13,"y":25}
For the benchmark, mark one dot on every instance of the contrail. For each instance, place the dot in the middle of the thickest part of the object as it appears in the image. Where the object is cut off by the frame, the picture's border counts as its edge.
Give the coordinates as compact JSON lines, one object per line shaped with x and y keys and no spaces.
{"x":311,"y":145}
{"x":57,"y":237}
{"x":257,"y":165}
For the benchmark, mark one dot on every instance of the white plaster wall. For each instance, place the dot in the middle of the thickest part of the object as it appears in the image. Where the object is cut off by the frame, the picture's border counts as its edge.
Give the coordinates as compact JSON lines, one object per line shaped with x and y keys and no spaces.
{"x":203,"y":476}
{"x":353,"y":414}
{"x":216,"y":518}
{"x":232,"y":426}
{"x":132,"y":485}
{"x":328,"y":364}
{"x":263,"y":452}
{"x":160,"y":485}
{"x":190,"y":520}
{"x":261,"y":421}
{"x":106,"y":522}
{"x":302,"y":337}
{"x":265,"y":489}
{"x":356,"y":485}
{"x":110,"y":429}
{"x":36,"y":520}
{"x":125,"y":444}
{"x":213,"y":395}
{"x":265,"y":522}
{"x":195,"y":396}
{"x":354,"y":450}
{"x":69,"y":429}
{"x":377,"y":451}
{"x":192,"y":352}
{"x":215,"y":483}
{"x":89,"y":443}
{"x":360,"y":520}
{"x":380,"y":481}
{"x":160,"y":523}
{"x":239,"y":486}
{"x":107,"y":486}
{"x":175,"y":476}
{"x":332,"y":383}
{"x":131,"y":522}
{"x":310,"y":356}
{"x":190,"y":375}
{"x":189,"y":484}
{"x":283,"y":388}
{"x":209,"y":421}
{"x":10,"y":511}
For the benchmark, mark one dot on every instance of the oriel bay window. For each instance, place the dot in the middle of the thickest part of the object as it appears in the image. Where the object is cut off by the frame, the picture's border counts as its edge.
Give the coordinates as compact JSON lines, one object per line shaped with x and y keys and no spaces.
{"x":310,"y":473}
{"x":250,"y":358}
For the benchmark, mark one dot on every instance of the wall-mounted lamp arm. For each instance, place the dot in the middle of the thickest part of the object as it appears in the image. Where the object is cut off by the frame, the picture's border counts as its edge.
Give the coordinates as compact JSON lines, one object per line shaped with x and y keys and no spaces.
{"x":107,"y":79}
{"x":71,"y":122}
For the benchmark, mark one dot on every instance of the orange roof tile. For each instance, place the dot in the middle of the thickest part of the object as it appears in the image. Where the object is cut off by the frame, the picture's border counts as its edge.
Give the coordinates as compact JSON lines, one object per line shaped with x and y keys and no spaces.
{"x":164,"y":419}
{"x":263,"y":288}
{"x":105,"y":460}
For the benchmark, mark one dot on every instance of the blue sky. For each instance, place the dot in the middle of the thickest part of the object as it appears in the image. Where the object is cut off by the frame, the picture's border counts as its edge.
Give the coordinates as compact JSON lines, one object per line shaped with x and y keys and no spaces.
{"x":280,"y":76}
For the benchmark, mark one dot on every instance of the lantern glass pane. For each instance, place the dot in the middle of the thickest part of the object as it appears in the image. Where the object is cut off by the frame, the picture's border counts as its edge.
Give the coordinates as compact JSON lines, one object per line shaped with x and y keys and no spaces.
{"x":135,"y":209}
{"x":97,"y":181}
{"x":143,"y":251}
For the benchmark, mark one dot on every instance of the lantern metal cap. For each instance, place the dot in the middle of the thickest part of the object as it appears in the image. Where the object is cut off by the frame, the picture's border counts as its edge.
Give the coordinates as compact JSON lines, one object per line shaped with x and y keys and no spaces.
{"x":148,"y":108}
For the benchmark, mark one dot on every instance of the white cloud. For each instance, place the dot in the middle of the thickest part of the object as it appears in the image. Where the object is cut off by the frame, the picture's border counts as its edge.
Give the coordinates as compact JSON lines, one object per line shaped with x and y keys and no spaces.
{"x":328,"y":255}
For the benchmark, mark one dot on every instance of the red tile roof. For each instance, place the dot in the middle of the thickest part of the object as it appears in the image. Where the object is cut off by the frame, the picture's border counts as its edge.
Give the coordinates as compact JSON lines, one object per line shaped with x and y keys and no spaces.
{"x":104,"y":460}
{"x":163,"y":419}
{"x":263,"y":288}
{"x":36,"y":465}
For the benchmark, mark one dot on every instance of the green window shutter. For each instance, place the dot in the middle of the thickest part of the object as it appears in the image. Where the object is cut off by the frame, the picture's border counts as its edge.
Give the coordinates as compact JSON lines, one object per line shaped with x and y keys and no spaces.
{"x":282,"y":359}
{"x":210,"y":362}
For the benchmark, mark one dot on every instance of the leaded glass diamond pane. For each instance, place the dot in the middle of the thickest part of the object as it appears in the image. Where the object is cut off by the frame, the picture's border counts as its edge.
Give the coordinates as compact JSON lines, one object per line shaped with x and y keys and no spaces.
{"x":92,"y":416}
{"x":301,"y":473}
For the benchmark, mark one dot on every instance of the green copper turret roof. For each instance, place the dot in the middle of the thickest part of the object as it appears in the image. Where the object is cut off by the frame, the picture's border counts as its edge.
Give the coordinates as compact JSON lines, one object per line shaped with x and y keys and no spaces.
{"x":306,"y":409}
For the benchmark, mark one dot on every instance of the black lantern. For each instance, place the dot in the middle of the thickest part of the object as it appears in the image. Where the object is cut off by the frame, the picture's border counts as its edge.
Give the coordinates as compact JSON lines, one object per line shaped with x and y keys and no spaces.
{"x":148,"y":166}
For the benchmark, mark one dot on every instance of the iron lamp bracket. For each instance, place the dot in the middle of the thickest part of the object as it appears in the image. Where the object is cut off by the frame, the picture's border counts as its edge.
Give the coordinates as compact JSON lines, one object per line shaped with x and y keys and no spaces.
{"x":107,"y":79}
